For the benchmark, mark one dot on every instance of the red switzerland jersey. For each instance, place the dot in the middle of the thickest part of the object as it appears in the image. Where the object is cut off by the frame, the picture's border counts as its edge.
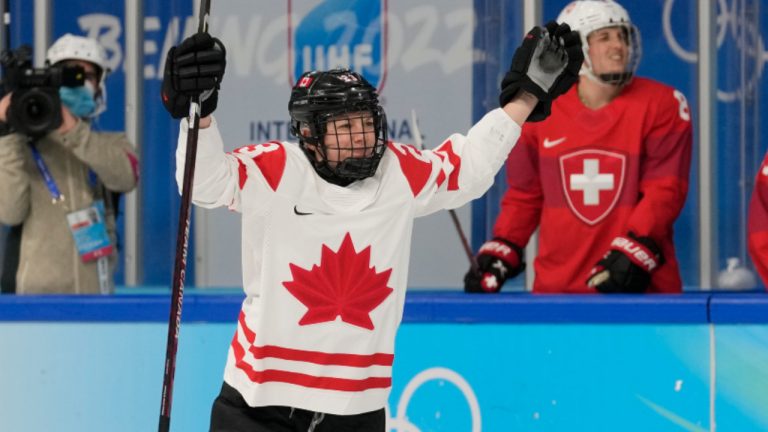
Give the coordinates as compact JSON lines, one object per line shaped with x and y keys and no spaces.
{"x":586,"y":176}
{"x":757,"y":225}
{"x":325,"y":267}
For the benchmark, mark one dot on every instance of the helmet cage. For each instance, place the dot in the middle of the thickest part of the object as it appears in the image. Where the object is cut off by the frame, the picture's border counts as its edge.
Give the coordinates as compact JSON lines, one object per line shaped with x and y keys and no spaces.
{"x":632,"y":35}
{"x":337,"y":97}
{"x":355,"y":167}
{"x":587,"y":16}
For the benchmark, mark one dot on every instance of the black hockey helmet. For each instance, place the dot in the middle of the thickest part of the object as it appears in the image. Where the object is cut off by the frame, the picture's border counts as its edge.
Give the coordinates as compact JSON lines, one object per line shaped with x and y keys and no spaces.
{"x":321,"y":96}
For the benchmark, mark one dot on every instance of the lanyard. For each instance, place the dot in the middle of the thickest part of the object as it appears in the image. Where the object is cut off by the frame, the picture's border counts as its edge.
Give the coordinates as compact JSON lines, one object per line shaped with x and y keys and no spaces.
{"x":49,"y":182}
{"x":105,"y":284}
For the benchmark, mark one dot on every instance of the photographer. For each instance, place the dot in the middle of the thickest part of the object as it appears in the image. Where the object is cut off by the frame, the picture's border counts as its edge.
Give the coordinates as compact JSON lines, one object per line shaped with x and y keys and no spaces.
{"x":60,"y":181}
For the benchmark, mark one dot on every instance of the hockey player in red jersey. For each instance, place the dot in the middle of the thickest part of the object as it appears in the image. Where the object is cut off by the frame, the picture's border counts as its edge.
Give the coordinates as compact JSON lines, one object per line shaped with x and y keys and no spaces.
{"x":757,"y":224}
{"x":327,"y":227}
{"x":604,"y":177}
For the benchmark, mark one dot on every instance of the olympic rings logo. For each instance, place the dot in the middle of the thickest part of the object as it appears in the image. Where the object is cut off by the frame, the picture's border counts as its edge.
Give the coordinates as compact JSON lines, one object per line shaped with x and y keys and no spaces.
{"x":401,"y":423}
{"x":730,"y":22}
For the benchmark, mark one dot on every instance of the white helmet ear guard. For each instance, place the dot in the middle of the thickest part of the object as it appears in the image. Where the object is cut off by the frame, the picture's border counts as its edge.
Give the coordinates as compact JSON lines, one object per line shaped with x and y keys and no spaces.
{"x":587,"y":16}
{"x":72,"y":47}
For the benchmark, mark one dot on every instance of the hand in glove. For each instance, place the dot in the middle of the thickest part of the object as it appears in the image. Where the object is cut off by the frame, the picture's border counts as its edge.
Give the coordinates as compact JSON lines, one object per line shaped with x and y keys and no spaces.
{"x":194,"y":68}
{"x":497,"y":261}
{"x":545,"y":65}
{"x":627,"y":266}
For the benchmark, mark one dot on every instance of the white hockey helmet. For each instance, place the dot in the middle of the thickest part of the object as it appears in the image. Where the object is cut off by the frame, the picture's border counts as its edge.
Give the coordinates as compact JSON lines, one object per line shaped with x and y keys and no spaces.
{"x":72,"y":47}
{"x":586,"y":16}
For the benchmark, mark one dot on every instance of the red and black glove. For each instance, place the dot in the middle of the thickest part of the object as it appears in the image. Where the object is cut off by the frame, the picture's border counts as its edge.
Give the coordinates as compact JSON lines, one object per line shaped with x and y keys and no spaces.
{"x":627,"y":266}
{"x":497,"y":261}
{"x":194,"y":68}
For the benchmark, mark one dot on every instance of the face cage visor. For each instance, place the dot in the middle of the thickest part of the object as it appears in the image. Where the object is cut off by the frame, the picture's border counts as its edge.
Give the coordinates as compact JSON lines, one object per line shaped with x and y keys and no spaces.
{"x":634,"y":53}
{"x":351,"y":143}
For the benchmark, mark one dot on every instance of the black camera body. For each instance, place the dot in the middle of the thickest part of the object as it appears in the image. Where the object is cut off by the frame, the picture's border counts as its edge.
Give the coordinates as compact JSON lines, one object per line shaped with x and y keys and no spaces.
{"x":35,"y":107}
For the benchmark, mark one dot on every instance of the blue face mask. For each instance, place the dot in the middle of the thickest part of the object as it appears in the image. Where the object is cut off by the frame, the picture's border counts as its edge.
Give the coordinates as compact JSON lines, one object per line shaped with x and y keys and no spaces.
{"x":79,"y":100}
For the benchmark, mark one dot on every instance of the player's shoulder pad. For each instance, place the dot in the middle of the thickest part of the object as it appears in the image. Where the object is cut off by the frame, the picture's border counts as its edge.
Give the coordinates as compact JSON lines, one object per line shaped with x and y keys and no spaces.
{"x":417,"y":167}
{"x":414,"y":165}
{"x":269,"y":158}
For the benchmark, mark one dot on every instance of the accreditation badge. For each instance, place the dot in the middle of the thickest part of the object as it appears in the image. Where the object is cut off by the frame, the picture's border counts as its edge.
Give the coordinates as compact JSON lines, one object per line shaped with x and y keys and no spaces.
{"x":90,"y":232}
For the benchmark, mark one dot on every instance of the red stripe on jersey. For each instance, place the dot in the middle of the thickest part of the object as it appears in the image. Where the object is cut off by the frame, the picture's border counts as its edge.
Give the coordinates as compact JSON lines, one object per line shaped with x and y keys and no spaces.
{"x":300,"y":379}
{"x":242,"y":172}
{"x":352,"y":360}
{"x":446,"y":148}
{"x":250,"y":336}
{"x":441,"y":176}
{"x":414,"y":166}
{"x":304,"y":380}
{"x":317,"y":357}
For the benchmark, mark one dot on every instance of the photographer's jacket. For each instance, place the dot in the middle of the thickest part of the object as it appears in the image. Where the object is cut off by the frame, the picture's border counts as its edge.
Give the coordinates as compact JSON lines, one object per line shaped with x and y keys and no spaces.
{"x":325,"y":267}
{"x":80,"y":162}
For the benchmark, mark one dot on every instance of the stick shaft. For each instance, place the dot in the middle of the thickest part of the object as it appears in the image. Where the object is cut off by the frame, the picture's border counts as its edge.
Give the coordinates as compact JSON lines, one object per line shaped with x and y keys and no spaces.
{"x":182,"y":241}
{"x":464,"y":242}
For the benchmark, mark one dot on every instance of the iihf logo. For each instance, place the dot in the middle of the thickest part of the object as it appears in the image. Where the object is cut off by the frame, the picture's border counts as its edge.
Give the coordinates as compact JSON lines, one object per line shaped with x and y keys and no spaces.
{"x":338,"y":33}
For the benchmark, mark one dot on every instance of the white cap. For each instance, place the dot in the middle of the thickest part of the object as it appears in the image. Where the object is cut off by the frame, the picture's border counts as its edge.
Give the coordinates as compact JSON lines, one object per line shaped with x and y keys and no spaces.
{"x":71,"y":47}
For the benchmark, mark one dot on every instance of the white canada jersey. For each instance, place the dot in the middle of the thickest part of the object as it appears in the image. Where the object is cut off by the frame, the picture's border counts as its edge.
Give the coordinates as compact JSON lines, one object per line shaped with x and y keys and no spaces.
{"x":324,"y":266}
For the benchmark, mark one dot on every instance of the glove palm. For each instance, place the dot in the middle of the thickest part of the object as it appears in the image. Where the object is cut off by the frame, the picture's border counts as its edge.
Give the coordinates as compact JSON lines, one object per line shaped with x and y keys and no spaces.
{"x":546,"y":65}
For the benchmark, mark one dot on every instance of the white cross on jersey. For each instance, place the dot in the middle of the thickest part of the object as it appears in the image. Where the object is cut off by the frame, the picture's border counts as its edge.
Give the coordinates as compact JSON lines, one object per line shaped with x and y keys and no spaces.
{"x":591,"y":182}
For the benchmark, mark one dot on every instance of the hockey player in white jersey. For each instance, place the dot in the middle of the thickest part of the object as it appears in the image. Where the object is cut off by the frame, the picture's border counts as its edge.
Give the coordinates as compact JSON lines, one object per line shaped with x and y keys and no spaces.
{"x":327,"y":227}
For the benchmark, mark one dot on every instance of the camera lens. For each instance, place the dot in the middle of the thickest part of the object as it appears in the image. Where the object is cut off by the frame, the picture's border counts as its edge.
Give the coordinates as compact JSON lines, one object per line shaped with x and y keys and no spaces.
{"x":34,"y":110}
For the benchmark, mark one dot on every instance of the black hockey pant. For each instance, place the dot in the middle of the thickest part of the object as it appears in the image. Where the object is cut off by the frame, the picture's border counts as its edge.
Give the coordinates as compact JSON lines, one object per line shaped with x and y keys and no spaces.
{"x":231,"y":413}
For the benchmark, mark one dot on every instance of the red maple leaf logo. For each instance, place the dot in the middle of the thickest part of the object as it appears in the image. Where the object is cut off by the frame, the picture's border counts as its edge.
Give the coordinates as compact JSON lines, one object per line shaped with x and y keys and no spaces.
{"x":343,"y":285}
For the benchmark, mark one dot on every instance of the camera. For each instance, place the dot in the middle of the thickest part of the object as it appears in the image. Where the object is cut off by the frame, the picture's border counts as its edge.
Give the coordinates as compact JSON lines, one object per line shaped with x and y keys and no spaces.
{"x":35,"y":107}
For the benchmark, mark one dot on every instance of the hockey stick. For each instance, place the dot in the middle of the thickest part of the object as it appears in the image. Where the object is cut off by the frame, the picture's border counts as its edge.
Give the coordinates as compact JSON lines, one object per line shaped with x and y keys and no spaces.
{"x":182,"y":238}
{"x":419,"y":141}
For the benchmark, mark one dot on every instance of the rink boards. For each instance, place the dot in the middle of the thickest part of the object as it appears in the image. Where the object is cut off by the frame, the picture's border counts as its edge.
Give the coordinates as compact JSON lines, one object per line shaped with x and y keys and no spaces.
{"x":464,"y":363}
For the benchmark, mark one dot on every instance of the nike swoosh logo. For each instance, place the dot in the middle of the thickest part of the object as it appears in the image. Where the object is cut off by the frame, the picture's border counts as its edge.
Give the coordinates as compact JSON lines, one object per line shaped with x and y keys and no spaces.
{"x":300,"y":213}
{"x":549,"y":144}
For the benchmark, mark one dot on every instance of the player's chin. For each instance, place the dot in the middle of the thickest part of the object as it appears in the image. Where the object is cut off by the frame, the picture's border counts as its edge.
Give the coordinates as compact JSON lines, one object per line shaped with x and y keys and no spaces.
{"x":610,"y":70}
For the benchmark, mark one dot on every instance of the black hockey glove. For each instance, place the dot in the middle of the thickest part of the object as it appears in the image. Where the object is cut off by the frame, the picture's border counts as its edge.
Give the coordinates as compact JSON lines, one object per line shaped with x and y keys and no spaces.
{"x":627,"y":266}
{"x":545,"y":65}
{"x":497,"y":261}
{"x":195,"y":67}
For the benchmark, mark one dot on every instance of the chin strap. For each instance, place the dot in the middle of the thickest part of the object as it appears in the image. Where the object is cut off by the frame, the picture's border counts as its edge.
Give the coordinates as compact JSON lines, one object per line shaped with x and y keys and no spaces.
{"x":324,"y":171}
{"x":616,"y":78}
{"x":611,"y":79}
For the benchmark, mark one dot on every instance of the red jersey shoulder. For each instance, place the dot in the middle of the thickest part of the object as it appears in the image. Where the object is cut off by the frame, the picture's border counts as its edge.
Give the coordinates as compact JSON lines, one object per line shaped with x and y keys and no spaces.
{"x":667,"y":100}
{"x":268,"y":157}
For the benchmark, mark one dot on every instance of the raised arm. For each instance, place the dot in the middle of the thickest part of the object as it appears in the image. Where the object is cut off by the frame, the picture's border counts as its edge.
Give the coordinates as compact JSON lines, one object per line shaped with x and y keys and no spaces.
{"x":545,"y":66}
